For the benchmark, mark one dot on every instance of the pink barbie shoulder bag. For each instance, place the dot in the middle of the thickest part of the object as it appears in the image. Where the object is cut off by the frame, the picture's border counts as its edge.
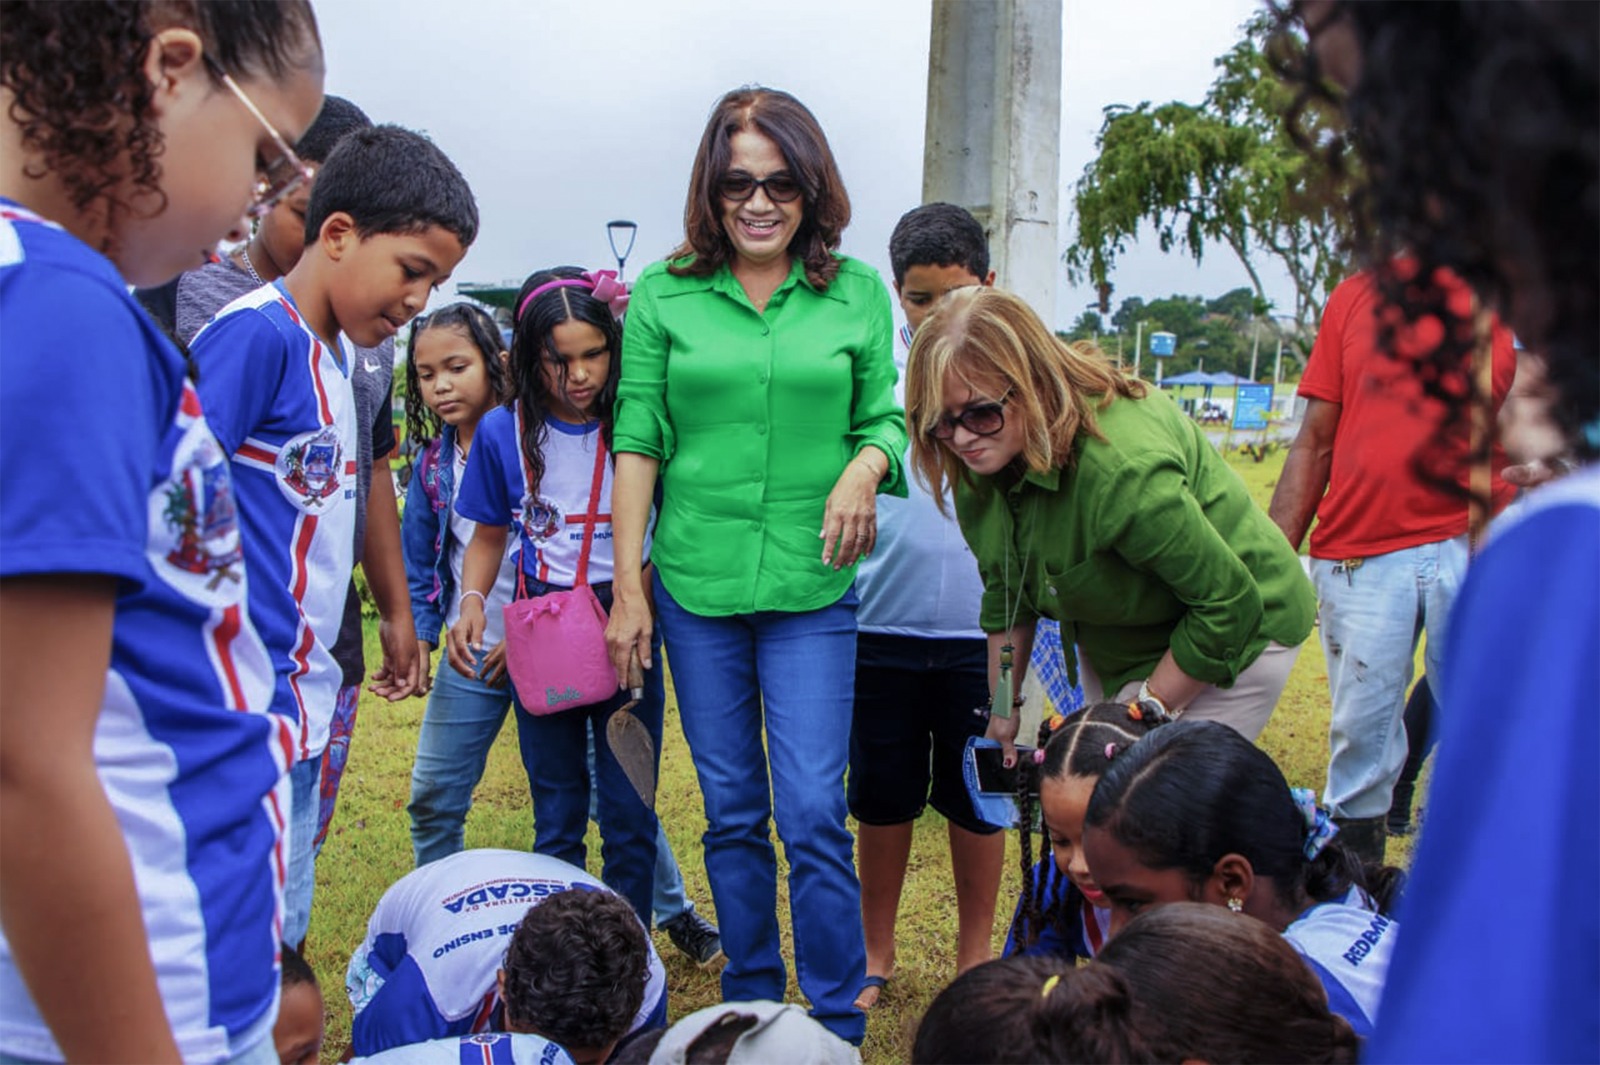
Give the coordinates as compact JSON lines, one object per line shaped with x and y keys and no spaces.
{"x":556,"y":643}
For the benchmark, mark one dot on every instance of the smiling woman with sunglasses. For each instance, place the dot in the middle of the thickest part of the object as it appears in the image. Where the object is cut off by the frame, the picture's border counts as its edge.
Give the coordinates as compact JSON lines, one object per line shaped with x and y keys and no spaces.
{"x":1092,"y":501}
{"x":758,"y":380}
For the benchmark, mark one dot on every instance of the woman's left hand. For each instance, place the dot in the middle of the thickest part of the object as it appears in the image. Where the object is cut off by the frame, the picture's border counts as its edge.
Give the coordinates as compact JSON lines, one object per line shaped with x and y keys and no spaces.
{"x":850,"y":520}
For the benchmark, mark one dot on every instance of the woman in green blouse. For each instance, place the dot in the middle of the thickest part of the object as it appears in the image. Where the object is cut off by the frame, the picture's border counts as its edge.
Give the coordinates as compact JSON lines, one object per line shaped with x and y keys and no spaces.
{"x":1090,"y":500}
{"x":758,"y":383}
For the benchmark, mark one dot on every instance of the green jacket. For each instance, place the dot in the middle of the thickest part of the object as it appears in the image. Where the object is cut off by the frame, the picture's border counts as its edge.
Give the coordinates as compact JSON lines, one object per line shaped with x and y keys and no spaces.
{"x":754,"y":417}
{"x":1149,"y":541}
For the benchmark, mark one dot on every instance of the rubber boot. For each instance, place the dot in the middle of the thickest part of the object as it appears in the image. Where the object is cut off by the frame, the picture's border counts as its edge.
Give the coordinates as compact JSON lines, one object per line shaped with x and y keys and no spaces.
{"x":1364,"y":837}
{"x":1398,"y":822}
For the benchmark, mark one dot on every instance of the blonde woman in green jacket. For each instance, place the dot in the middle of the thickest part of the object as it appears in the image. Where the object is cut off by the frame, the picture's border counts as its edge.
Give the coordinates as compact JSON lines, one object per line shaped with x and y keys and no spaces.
{"x":1096,"y":502}
{"x":758,"y":382}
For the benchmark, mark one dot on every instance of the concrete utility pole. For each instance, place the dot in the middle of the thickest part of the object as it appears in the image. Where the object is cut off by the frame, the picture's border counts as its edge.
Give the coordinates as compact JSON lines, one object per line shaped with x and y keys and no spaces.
{"x":993,"y":140}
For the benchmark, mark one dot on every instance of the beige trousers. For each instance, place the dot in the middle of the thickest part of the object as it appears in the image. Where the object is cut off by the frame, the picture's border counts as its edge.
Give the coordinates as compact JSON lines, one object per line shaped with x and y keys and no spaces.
{"x":1247,"y":706}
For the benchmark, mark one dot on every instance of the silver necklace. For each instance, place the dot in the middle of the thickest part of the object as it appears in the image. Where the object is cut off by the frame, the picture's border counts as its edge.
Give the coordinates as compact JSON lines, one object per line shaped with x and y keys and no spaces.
{"x":244,"y":250}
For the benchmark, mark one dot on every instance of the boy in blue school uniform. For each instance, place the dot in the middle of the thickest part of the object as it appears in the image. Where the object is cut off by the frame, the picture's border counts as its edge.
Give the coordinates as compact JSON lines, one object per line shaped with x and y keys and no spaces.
{"x":389,"y":218}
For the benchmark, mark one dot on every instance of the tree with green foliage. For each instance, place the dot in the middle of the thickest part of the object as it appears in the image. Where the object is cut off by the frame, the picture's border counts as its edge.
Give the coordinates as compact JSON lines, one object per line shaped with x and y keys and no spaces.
{"x":1221,"y":172}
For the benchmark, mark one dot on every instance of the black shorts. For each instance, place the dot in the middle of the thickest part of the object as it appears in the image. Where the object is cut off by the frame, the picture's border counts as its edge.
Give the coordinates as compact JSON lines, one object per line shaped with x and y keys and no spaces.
{"x":913,"y":715}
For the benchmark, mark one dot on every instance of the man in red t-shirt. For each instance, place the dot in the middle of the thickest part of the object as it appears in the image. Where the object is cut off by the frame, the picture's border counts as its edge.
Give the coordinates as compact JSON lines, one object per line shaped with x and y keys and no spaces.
{"x":1389,"y":549}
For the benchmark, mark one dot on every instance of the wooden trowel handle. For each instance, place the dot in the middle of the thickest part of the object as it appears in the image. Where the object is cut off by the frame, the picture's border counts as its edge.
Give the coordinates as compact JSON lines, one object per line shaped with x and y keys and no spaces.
{"x":635,"y":677}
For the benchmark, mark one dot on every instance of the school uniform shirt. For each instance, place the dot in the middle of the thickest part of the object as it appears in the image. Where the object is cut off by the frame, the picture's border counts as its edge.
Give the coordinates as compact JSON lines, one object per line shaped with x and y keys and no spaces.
{"x":113,"y":470}
{"x":439,"y":935}
{"x":1348,"y":946}
{"x":279,"y":399}
{"x":490,"y":1048}
{"x":549,"y":524}
{"x":1512,"y":837}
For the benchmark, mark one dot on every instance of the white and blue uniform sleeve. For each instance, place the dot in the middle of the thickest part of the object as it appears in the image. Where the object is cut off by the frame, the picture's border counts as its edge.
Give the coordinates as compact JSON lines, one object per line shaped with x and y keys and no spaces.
{"x":82,"y":447}
{"x":491,"y":488}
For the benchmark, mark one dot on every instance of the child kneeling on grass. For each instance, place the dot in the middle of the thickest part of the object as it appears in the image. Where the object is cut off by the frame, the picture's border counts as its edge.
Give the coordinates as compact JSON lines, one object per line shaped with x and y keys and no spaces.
{"x":450,"y":952}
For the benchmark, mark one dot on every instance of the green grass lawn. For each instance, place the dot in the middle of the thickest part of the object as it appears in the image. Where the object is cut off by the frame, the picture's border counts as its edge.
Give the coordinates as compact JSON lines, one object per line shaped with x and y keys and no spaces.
{"x":369,"y":845}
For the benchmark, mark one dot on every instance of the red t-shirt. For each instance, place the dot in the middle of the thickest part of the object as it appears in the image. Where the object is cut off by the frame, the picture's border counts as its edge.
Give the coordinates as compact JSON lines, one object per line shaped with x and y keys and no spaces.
{"x":1375,"y":502}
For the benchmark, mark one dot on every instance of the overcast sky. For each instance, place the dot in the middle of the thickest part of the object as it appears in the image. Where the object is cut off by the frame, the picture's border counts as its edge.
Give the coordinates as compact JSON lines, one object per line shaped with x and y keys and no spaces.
{"x":564,"y":116}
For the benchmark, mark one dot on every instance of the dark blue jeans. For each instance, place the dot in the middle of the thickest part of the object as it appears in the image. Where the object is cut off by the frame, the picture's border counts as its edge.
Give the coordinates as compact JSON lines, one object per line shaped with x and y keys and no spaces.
{"x":555,"y":747}
{"x":794,"y":673}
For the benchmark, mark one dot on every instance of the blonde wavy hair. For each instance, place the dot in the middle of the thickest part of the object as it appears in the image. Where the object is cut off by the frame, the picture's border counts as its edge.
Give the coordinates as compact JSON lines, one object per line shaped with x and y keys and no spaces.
{"x":991,"y":341}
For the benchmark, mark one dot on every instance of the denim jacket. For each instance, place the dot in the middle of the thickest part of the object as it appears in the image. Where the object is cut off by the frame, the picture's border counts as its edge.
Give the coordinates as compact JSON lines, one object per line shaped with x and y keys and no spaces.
{"x":425,"y":535}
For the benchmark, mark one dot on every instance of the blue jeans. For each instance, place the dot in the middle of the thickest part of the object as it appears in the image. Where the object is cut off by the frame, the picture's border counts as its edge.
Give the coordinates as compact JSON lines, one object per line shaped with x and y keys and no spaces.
{"x":463,"y":717}
{"x":793,"y":672}
{"x":669,"y":901}
{"x":555,"y":745}
{"x":300,"y":876}
{"x":1371,"y":618}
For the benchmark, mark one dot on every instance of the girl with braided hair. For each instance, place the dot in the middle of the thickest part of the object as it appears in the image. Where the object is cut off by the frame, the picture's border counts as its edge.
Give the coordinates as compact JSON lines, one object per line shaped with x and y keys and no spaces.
{"x":1061,"y":911}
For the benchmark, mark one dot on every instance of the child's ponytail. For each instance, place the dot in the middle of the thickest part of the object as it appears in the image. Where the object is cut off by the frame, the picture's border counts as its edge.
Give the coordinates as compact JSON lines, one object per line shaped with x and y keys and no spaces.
{"x":1030,"y":1009}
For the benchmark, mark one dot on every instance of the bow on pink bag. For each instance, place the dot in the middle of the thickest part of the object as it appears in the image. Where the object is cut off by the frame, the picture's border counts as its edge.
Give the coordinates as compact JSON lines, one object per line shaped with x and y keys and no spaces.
{"x":556,"y":643}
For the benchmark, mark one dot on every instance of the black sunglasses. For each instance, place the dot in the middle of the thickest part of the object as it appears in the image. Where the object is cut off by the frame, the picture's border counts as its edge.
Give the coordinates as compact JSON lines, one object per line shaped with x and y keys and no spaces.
{"x":738,"y":186}
{"x":984,"y":419}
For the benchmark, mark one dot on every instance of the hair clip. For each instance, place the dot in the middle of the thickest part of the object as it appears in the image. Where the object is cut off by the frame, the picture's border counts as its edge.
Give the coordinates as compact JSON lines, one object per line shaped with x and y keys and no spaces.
{"x":1038,"y":756}
{"x":1050,"y":985}
{"x":1055,"y":721}
{"x":1320,"y":828}
{"x":1147,"y":710}
{"x":1111,"y":751}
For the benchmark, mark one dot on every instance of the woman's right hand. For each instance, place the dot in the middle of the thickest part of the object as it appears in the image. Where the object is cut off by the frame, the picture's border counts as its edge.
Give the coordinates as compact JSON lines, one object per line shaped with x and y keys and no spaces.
{"x":628,"y":632}
{"x":465,"y":641}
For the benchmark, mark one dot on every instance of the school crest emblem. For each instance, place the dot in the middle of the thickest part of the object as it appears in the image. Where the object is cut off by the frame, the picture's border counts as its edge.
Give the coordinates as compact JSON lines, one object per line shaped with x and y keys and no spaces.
{"x":309,"y":468}
{"x":541,"y":519}
{"x":198,"y":550}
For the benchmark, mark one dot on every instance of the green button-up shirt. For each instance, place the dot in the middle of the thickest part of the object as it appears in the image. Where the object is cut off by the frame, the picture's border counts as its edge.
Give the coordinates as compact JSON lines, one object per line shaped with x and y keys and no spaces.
{"x":754,"y":417}
{"x":1150,"y":541}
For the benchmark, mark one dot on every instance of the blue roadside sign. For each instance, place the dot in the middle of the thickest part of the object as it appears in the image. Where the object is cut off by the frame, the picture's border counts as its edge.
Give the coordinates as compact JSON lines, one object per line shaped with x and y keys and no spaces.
{"x":1250,"y":406}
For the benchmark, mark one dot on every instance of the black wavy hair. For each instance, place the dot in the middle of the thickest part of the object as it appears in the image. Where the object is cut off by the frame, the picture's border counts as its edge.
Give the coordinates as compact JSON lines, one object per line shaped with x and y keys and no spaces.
{"x":1073,"y":746}
{"x":1194,"y":791}
{"x":1016,"y":1010}
{"x":337,"y":117}
{"x":76,"y":76}
{"x":938,"y":234}
{"x":576,"y":969}
{"x":1473,"y":140}
{"x":531,"y":345}
{"x":422,"y":424}
{"x":392,"y":180}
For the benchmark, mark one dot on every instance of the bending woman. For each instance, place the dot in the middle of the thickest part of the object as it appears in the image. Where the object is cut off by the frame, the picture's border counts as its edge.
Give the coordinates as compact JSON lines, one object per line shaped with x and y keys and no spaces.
{"x":758,"y":380}
{"x":1093,"y":502}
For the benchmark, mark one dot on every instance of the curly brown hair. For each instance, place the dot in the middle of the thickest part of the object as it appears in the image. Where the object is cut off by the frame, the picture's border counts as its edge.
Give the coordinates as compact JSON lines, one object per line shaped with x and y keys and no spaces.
{"x":79,"y":96}
{"x":794,"y":129}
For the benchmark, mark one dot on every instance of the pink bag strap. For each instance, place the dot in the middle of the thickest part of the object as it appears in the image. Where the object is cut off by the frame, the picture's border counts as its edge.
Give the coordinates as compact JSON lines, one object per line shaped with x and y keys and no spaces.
{"x":592,"y":518}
